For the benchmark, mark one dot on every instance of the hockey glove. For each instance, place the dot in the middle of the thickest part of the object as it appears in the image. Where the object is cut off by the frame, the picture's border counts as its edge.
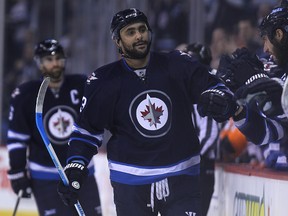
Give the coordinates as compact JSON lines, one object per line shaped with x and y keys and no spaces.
{"x":277,"y":160}
{"x":20,"y":181}
{"x":201,"y":52}
{"x":76,"y":174}
{"x":240,"y":68}
{"x":266,"y":92}
{"x":218,"y":104}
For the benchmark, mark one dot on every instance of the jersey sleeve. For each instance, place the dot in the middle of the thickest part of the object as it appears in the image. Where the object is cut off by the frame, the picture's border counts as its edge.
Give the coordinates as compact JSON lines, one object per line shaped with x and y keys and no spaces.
{"x":19,"y":131}
{"x":95,"y":116}
{"x":197,"y":76}
{"x":262,"y":130}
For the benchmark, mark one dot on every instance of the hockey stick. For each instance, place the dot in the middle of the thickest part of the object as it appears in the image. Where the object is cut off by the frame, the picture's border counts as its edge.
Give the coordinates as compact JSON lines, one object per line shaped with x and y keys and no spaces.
{"x":39,"y":123}
{"x":284,"y":97}
{"x":19,"y":195}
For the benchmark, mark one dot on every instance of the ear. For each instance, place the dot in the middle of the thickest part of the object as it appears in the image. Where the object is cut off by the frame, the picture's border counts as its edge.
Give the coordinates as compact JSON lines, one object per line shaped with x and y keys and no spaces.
{"x":38,"y":62}
{"x":40,"y":66}
{"x":118,"y":41}
{"x":279,"y":34}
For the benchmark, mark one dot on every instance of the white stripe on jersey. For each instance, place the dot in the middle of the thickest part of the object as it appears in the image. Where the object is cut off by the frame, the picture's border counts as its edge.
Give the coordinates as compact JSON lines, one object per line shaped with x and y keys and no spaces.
{"x":138,"y":171}
{"x":85,"y":132}
{"x":18,"y":145}
{"x":14,"y":135}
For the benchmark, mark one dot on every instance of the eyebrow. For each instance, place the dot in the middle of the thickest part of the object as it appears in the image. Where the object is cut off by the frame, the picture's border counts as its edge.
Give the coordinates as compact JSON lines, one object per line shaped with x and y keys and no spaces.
{"x":135,"y":27}
{"x":57,"y":56}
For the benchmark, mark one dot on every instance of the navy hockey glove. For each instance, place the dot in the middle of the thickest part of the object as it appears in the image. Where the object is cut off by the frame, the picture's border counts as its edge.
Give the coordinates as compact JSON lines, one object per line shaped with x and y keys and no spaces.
{"x":76,"y":174}
{"x":238,"y":69}
{"x":20,"y":181}
{"x":201,"y":52}
{"x":277,"y":160}
{"x":266,"y":92}
{"x":218,"y":104}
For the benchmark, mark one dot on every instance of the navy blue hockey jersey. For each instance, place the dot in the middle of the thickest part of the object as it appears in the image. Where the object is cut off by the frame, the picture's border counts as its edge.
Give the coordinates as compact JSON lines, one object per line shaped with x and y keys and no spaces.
{"x":149,"y":116}
{"x":59,"y":113}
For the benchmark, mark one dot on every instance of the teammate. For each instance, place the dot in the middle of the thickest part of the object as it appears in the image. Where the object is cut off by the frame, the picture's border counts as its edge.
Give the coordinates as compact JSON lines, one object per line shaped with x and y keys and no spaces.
{"x":145,"y":100}
{"x":31,"y":168}
{"x":273,"y":31}
{"x":244,"y":75}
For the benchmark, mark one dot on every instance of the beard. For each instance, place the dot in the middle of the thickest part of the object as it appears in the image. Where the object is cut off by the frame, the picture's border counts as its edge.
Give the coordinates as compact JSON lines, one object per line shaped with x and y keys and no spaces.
{"x":280,"y":56}
{"x":134,"y":53}
{"x":55,"y":74}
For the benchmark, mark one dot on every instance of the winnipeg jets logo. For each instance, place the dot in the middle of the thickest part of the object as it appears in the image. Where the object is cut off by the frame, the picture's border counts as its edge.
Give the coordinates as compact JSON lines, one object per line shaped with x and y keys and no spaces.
{"x":15,"y":92}
{"x":58,"y":123}
{"x":91,"y":78}
{"x":61,"y":123}
{"x":150,"y":113}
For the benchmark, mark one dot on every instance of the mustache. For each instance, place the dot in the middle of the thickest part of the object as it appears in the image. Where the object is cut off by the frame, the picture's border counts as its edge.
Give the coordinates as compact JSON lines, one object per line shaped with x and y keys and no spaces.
{"x":140,"y":43}
{"x":57,"y":68}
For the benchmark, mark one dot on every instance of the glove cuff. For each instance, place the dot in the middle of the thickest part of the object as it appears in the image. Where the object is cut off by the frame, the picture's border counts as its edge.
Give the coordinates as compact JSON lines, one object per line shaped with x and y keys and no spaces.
{"x":75,"y":165}
{"x":16,"y":174}
{"x":255,"y":77}
{"x":76,"y":173}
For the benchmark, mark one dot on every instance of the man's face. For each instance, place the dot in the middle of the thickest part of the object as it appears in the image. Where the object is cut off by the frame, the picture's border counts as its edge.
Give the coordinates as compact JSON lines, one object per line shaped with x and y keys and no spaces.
{"x":280,"y":55}
{"x":52,"y":66}
{"x":135,"y":40}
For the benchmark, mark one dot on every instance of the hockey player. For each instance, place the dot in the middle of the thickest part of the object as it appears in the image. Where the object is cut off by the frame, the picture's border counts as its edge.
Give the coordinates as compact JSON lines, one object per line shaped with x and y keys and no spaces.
{"x":31,"y":168}
{"x":273,"y":30}
{"x":261,"y":93}
{"x":145,"y":100}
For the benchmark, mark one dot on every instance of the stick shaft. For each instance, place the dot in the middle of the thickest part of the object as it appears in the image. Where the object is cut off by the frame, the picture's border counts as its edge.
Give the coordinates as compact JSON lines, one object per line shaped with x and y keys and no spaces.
{"x":40,"y":127}
{"x":19,"y":195}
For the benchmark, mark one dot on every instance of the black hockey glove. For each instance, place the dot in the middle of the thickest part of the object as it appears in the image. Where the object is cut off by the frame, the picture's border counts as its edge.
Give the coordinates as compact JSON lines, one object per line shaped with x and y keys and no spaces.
{"x":20,"y":181}
{"x":76,"y":174}
{"x":266,"y":92}
{"x":201,"y":52}
{"x":240,"y":68}
{"x":218,"y":104}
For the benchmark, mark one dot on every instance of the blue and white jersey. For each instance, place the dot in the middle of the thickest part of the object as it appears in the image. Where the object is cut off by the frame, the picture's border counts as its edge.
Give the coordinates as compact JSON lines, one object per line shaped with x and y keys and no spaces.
{"x":260,"y":129}
{"x":148,"y":112}
{"x":60,"y":111}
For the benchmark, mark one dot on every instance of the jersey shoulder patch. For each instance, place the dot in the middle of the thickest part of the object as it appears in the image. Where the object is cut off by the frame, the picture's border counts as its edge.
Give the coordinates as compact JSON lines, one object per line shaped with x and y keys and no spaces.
{"x":105,"y":72}
{"x":26,"y":89}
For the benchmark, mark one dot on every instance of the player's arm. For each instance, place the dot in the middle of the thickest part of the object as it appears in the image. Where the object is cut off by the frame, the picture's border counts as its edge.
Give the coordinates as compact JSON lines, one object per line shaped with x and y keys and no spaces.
{"x":86,"y":138}
{"x":244,"y":74}
{"x":83,"y":145}
{"x":18,"y":137}
{"x":258,"y":128}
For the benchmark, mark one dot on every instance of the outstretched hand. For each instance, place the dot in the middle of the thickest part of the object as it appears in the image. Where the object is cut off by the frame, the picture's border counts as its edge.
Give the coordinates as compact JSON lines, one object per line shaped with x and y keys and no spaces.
{"x":265,"y":92}
{"x":240,"y":68}
{"x":218,"y":104}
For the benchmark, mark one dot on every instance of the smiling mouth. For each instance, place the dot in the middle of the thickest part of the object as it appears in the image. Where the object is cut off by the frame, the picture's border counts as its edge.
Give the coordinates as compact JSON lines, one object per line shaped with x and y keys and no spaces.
{"x":140,"y":44}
